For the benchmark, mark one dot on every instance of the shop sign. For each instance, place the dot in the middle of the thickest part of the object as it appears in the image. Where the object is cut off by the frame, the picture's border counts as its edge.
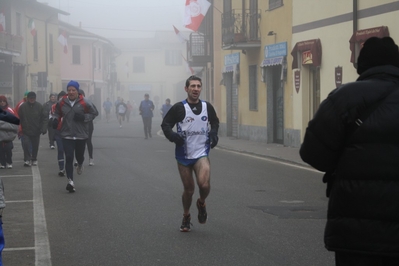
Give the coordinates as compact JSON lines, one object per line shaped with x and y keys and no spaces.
{"x":307,"y":58}
{"x":297,"y":80}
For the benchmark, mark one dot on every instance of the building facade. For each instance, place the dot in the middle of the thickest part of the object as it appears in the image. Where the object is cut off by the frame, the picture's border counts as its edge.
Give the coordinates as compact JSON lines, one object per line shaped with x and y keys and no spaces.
{"x":155,"y":65}
{"x":27,"y":50}
{"x":326,"y":39}
{"x":89,"y":59}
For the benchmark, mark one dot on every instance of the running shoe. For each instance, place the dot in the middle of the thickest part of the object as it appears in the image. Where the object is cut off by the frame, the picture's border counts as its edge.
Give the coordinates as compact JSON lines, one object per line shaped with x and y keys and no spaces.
{"x":202,"y":215}
{"x":75,"y":164}
{"x":27,"y":163}
{"x":61,"y":173}
{"x":91,"y":162}
{"x":70,"y":186}
{"x":79,"y":169}
{"x":186,"y":224}
{"x":34,"y":162}
{"x":9,"y":166}
{"x":2,"y":167}
{"x":52,"y":147}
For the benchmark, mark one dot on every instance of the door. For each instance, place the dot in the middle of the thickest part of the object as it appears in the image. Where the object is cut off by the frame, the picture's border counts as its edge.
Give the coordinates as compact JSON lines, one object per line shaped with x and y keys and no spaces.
{"x":231,"y":106}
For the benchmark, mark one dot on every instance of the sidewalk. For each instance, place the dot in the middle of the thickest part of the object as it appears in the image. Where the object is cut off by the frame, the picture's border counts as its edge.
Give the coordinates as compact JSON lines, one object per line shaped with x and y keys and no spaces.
{"x":268,"y":150}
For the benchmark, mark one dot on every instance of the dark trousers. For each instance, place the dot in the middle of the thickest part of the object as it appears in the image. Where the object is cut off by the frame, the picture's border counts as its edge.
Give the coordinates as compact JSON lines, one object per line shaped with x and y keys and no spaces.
{"x":353,"y":259}
{"x":73,"y":148}
{"x":89,"y":143}
{"x":51,"y":134}
{"x":60,"y":151}
{"x":31,"y":147}
{"x":6,"y":153}
{"x":147,"y":121}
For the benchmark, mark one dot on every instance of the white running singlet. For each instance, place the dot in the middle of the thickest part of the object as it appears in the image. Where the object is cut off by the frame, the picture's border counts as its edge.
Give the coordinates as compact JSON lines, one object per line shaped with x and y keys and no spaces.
{"x":194,"y":129}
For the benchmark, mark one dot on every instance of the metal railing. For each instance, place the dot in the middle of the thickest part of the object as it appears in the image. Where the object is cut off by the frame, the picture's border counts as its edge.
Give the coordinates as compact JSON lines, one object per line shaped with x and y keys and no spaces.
{"x":10,"y":42}
{"x":238,"y":26}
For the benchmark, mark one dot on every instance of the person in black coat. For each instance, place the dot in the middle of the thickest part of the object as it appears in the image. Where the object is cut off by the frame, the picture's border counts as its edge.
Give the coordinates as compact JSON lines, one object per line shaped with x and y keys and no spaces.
{"x":354,"y":137}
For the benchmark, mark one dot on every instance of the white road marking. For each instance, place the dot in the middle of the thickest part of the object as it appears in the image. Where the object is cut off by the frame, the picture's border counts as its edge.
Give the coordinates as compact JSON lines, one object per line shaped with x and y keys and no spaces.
{"x":42,"y":244}
{"x":16,"y":176}
{"x":18,"y":201}
{"x":273,"y":160}
{"x":18,"y":249}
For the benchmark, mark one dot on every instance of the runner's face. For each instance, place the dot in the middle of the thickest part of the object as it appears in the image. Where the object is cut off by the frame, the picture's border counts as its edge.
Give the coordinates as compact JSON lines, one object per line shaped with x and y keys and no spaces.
{"x":193,"y":91}
{"x":72,"y":93}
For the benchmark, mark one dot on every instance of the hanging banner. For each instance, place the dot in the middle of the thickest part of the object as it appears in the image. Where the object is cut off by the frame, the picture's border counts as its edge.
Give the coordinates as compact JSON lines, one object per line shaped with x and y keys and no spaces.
{"x":297,"y":80}
{"x":338,"y":76}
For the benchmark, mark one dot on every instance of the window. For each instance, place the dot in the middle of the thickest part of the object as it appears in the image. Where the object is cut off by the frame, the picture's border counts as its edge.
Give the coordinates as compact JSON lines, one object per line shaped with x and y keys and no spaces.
{"x":75,"y":54}
{"x":253,"y":88}
{"x":93,"y":55}
{"x":35,"y":48}
{"x":99,"y":58}
{"x":138,"y":64}
{"x":273,"y":4}
{"x":18,"y":24}
{"x":51,"y":52}
{"x":173,"y":58}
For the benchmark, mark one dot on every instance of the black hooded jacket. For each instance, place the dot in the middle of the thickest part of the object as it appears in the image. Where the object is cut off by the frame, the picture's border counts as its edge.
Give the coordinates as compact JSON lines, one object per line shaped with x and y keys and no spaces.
{"x":363,"y":210}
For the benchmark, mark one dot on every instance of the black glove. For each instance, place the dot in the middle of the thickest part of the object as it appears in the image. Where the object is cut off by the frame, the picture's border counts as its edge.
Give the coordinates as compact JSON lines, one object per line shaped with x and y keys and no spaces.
{"x":213,"y":138}
{"x":176,"y":138}
{"x":55,"y":123}
{"x":79,"y":117}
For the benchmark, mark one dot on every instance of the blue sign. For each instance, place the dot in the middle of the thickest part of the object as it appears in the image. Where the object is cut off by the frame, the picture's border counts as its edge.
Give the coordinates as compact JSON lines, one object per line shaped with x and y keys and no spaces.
{"x":232,"y":59}
{"x":275,"y":50}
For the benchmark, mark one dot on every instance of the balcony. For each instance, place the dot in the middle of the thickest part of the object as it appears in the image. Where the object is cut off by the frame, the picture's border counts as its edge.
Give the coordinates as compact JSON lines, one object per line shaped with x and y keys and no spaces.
{"x":198,"y":50}
{"x":240,"y":29}
{"x":10,"y":44}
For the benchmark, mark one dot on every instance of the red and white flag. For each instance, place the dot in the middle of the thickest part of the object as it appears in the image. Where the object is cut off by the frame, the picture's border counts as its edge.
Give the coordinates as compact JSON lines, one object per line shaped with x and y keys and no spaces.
{"x":2,"y":21}
{"x":188,"y":68}
{"x":194,"y":13}
{"x":32,"y":27}
{"x":63,"y":41}
{"x":179,"y":35}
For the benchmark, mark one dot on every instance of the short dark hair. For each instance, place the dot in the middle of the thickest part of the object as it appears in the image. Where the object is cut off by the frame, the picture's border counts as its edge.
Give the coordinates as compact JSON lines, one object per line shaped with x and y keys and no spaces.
{"x":192,"y":78}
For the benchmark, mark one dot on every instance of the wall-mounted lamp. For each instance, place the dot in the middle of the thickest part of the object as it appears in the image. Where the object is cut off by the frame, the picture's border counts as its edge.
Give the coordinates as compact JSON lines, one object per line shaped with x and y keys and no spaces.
{"x":271,"y":33}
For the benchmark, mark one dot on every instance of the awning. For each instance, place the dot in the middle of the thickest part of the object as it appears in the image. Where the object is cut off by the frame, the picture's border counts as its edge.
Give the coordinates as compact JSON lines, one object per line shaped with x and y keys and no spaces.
{"x":361,"y":36}
{"x":272,"y":61}
{"x":230,"y":68}
{"x":314,"y":46}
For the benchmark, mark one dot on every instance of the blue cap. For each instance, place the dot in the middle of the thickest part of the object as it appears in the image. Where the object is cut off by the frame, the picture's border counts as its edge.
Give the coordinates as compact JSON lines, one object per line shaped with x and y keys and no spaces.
{"x":74,"y":84}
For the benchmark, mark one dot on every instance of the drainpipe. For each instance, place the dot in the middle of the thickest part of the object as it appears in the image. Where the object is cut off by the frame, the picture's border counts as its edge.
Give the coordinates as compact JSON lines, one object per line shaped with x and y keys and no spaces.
{"x":355,"y":26}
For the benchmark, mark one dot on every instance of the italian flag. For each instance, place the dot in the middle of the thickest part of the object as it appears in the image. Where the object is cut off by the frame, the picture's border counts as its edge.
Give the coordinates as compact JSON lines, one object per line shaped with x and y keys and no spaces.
{"x":32,"y":27}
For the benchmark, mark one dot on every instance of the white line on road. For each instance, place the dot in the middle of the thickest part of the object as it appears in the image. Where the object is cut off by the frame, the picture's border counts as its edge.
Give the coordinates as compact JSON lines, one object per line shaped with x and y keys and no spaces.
{"x":18,"y":201}
{"x":42,"y":245}
{"x":16,"y":176}
{"x":273,"y":161}
{"x":19,"y":249}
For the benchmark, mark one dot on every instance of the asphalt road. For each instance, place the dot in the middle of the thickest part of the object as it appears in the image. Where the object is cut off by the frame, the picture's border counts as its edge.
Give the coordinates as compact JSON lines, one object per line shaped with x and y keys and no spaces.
{"x":127,"y":208}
